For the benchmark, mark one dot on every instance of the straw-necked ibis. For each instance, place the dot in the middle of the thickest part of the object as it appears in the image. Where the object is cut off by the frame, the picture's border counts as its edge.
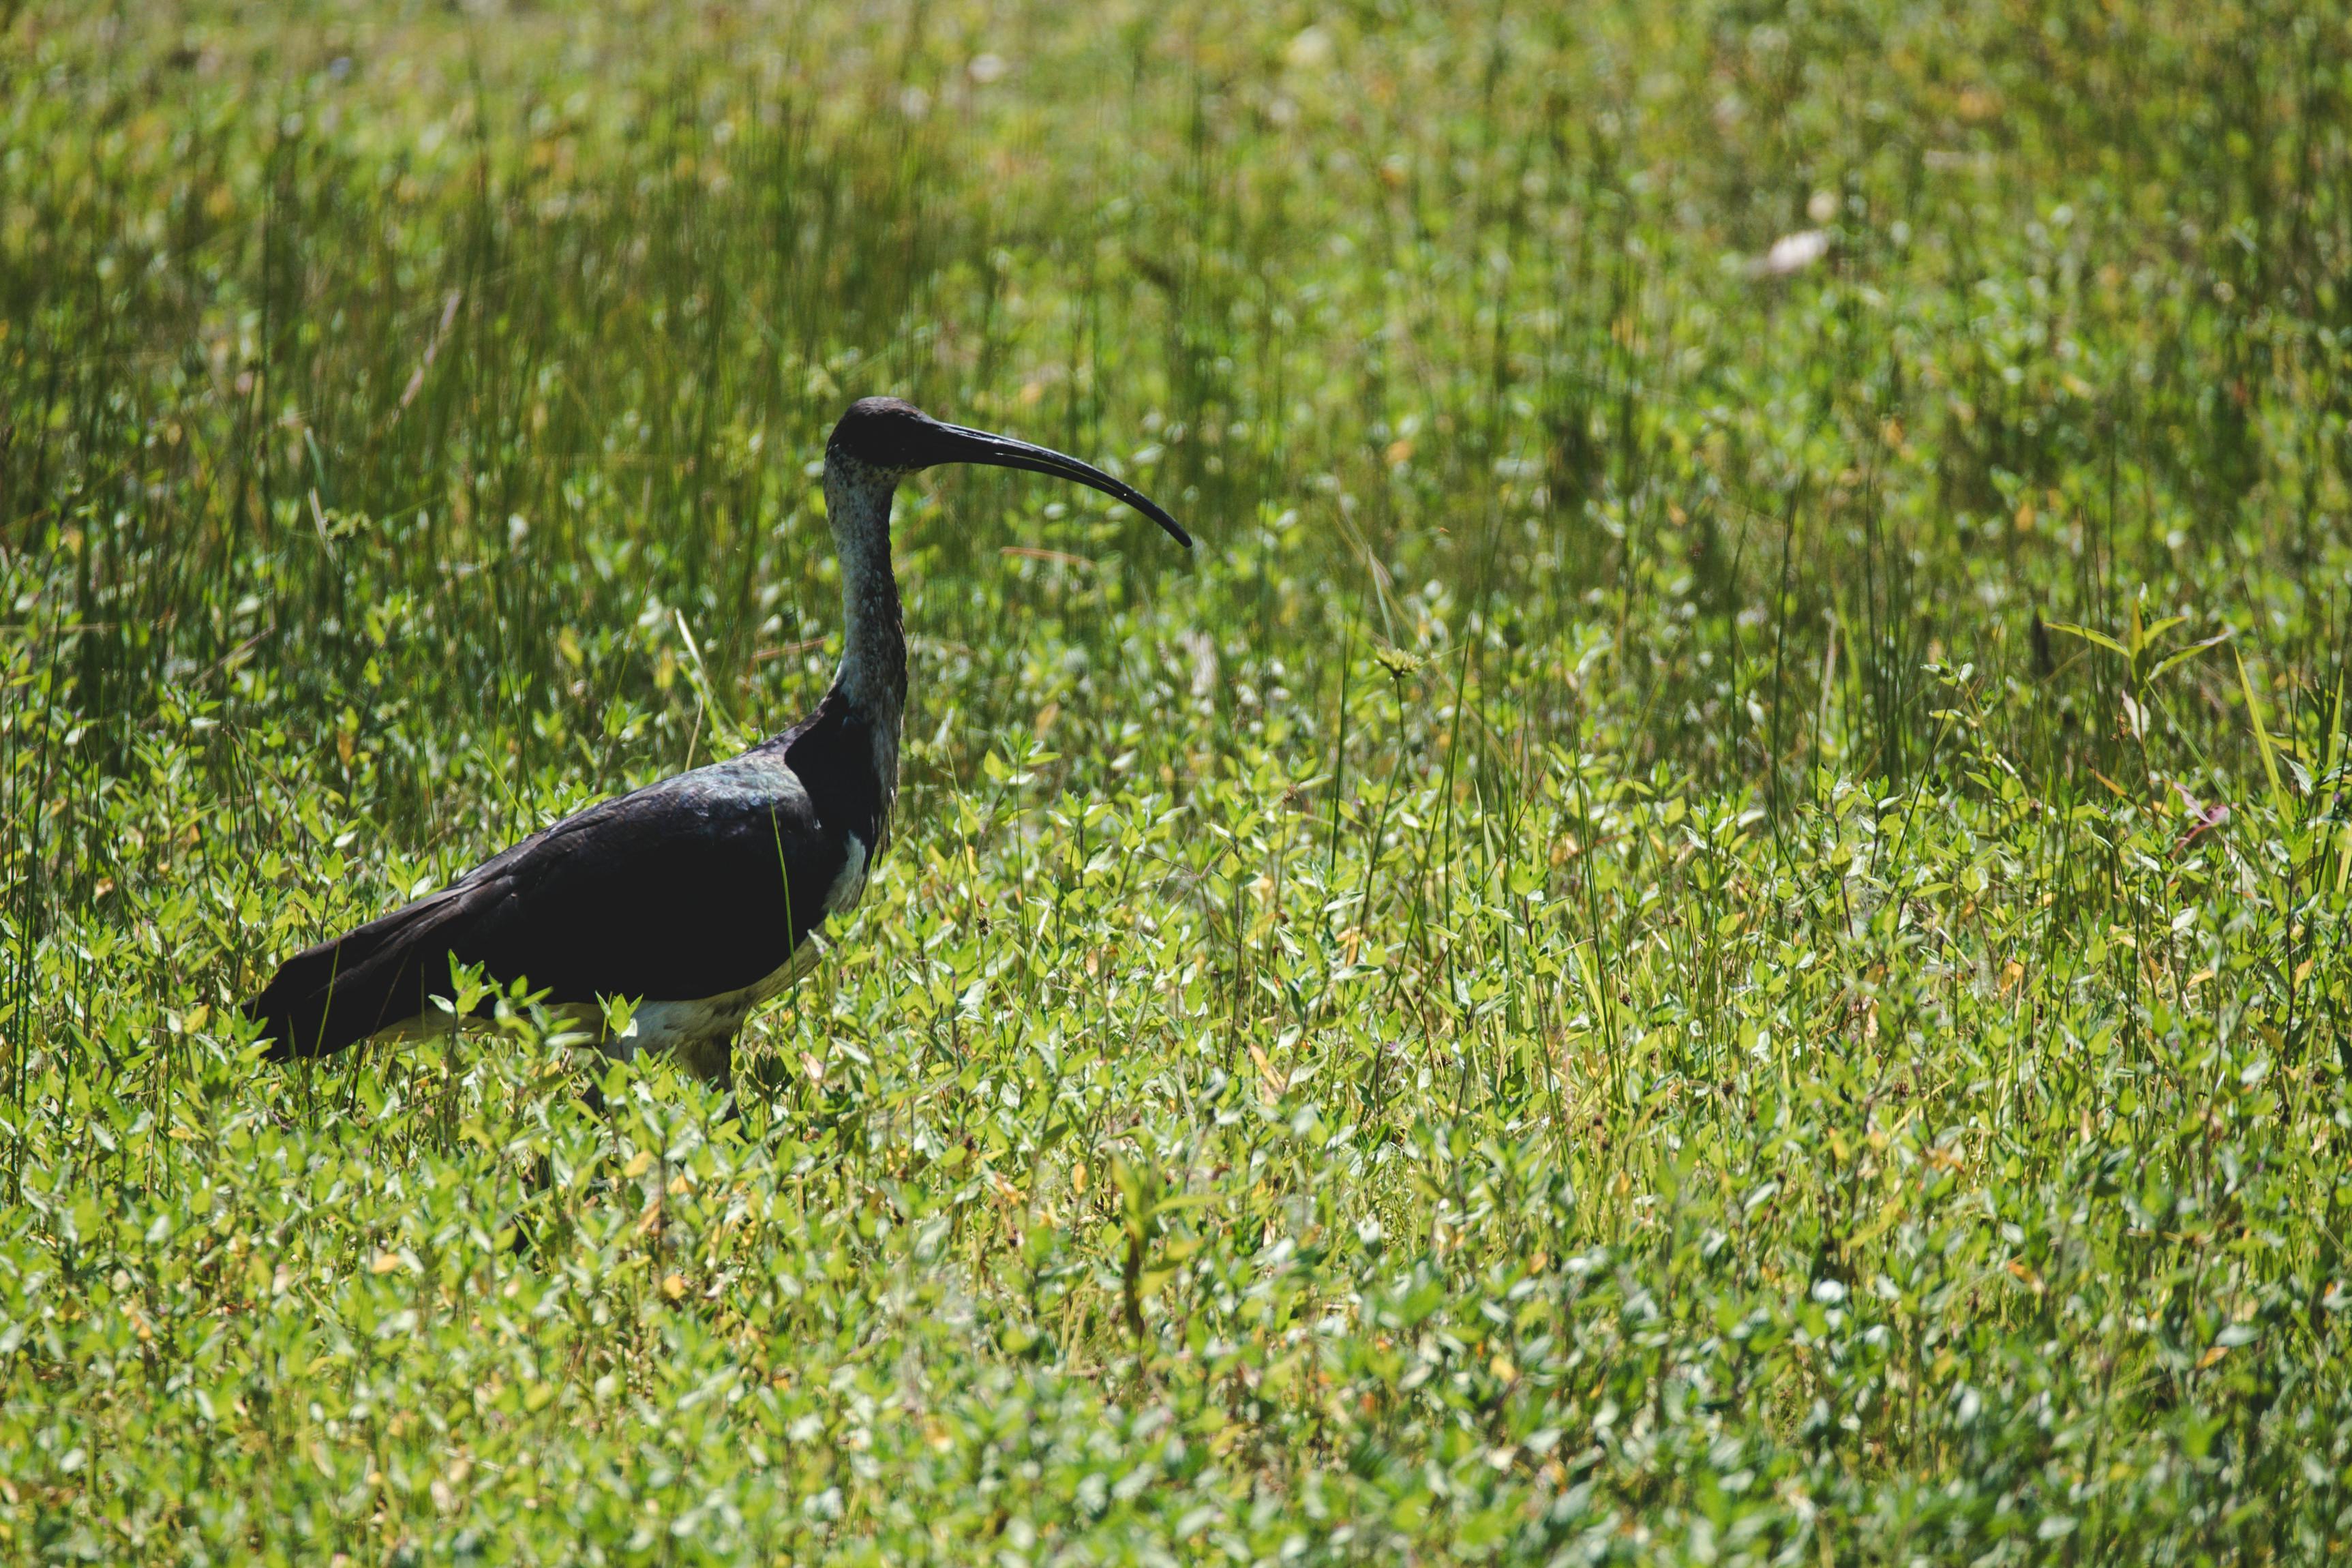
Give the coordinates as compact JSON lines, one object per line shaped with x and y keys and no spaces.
{"x":696,"y":895}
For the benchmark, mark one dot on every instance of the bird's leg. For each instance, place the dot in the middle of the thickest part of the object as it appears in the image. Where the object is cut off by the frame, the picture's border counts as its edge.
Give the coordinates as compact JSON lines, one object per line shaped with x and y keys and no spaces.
{"x":713,"y":1061}
{"x":536,"y":1184}
{"x":612,"y":1047}
{"x":711,"y":1058}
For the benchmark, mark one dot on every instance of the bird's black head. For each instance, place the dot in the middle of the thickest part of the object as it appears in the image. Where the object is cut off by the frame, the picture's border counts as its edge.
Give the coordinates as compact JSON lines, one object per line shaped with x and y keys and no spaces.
{"x":897,"y":437}
{"x":886,"y":433}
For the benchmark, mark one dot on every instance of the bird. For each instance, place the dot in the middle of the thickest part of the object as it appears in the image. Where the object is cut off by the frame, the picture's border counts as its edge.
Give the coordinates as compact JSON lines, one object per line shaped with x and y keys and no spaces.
{"x":701,"y":897}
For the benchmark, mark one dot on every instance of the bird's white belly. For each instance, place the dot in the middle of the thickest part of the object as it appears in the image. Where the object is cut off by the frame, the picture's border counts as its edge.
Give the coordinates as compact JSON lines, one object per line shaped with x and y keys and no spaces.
{"x":689,"y":1028}
{"x":849,"y":882}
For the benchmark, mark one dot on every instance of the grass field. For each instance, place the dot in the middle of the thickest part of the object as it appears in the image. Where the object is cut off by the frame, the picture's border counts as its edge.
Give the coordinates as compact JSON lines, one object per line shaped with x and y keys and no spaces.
{"x":1710,"y":926}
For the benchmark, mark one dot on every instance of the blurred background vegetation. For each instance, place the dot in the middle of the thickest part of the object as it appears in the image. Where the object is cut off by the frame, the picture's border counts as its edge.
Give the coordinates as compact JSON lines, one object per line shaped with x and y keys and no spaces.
{"x":1666,"y":943}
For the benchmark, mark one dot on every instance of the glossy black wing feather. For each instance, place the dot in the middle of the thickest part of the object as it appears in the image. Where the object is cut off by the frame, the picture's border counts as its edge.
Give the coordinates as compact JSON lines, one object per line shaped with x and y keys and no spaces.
{"x":699,"y":885}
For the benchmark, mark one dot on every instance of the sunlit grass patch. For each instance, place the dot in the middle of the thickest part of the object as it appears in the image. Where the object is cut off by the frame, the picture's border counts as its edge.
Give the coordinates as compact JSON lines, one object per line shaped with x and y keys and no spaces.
{"x":1708,"y":926}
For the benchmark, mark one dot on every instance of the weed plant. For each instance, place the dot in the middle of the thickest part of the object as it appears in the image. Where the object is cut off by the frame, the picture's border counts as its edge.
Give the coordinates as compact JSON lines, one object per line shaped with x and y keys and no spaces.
{"x":1708,"y":927}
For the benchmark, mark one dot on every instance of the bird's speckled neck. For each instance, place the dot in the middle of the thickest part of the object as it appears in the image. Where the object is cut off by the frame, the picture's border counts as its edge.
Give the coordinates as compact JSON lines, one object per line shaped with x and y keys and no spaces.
{"x":873,"y":672}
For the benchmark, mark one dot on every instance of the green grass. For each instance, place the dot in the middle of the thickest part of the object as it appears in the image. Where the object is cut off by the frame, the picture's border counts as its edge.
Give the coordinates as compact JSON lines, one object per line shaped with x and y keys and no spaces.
{"x":1647,"y":955}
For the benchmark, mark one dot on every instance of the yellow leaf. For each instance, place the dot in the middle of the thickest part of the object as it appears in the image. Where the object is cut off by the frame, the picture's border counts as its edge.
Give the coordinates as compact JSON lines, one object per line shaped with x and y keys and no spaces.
{"x":1271,"y":1083}
{"x":2262,"y":738}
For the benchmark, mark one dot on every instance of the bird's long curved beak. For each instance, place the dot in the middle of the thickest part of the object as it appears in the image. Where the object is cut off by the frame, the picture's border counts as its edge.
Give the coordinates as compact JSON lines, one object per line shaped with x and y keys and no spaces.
{"x":959,"y":445}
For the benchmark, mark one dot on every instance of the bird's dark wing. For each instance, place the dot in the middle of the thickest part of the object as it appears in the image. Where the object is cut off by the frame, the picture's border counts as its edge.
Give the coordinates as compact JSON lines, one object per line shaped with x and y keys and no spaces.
{"x":700,"y":885}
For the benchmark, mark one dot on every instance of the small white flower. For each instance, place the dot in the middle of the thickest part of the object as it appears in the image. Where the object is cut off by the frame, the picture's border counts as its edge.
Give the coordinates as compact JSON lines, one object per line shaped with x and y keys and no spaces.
{"x":1793,"y":253}
{"x":1310,"y":50}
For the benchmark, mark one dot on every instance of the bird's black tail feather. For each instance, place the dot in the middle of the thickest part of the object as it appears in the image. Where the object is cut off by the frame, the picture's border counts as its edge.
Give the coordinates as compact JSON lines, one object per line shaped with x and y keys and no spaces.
{"x":341,"y":991}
